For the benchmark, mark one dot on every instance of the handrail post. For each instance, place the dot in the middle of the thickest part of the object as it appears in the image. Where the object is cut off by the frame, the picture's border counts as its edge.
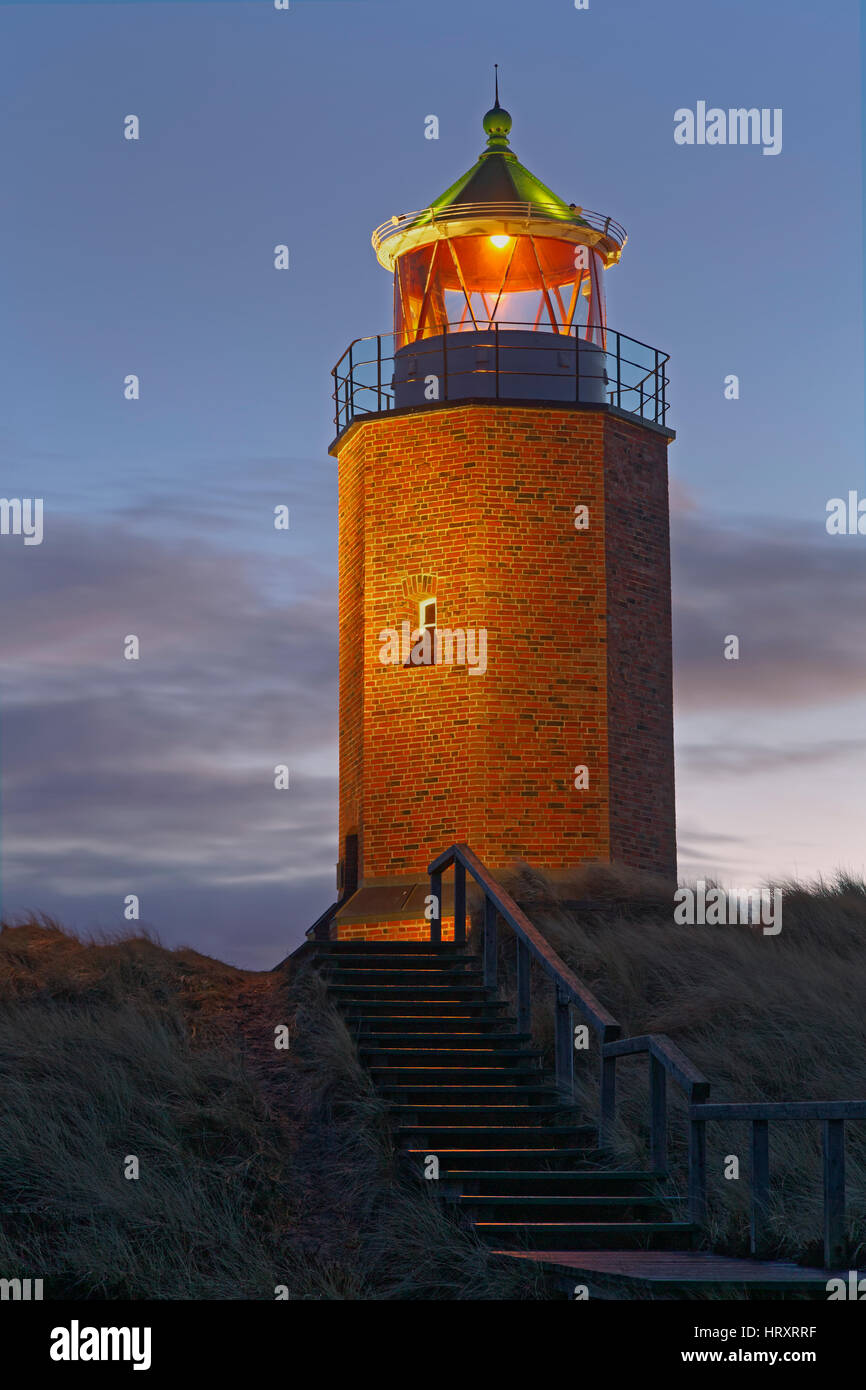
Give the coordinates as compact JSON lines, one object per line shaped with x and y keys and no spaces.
{"x":459,"y":903}
{"x":563,"y":1042}
{"x":760,"y":1186}
{"x":618,"y":373}
{"x":491,"y":917}
{"x":658,"y":1115}
{"x":607,"y":1104}
{"x":524,"y":987}
{"x":378,"y":371}
{"x":697,"y":1171}
{"x":496,"y":363}
{"x":656,"y":383}
{"x":445,"y":362}
{"x":436,"y":919}
{"x":834,"y":1193}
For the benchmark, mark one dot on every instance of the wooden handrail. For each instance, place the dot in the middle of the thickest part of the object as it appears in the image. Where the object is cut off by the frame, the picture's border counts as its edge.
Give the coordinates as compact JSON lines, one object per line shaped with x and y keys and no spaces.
{"x":833,"y":1114}
{"x":664,"y":1056}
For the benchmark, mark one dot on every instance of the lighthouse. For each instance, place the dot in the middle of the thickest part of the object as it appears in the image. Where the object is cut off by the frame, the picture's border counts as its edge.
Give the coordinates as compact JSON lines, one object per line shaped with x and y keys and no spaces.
{"x":504,"y":566}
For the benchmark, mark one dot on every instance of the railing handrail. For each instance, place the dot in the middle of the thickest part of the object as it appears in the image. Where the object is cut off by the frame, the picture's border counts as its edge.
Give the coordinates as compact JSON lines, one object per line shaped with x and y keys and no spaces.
{"x":541,"y":333}
{"x":517,"y":209}
{"x":360,"y":389}
{"x":603,"y":1022}
{"x":781,"y":1110}
{"x":665,"y":1059}
{"x":672,"y":1058}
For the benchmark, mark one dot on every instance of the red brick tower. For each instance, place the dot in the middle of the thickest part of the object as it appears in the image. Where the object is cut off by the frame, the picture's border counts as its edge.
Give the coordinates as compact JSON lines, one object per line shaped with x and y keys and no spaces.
{"x":505,"y":632}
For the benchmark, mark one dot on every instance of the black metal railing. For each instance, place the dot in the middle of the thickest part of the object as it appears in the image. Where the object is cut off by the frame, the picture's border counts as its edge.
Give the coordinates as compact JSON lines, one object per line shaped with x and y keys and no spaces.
{"x":610,"y":369}
{"x":665,"y":1059}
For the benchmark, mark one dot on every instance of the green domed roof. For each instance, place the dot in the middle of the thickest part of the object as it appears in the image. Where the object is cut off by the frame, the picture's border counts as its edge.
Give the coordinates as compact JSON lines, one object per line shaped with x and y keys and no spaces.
{"x":497,"y":176}
{"x":498,"y":194}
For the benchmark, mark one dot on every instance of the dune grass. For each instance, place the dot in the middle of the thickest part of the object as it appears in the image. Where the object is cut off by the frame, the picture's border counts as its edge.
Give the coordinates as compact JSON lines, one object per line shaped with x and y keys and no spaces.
{"x":259,"y":1170}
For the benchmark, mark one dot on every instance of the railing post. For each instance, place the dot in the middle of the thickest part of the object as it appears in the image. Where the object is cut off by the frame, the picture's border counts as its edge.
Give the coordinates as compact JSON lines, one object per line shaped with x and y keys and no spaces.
{"x":607,"y":1105}
{"x":576,"y":363}
{"x":496,"y":362}
{"x":760,"y":1186}
{"x":445,"y":362}
{"x":491,"y":917}
{"x":378,"y":371}
{"x":658,"y":1115}
{"x":563,"y":1042}
{"x":436,"y":919}
{"x":524,"y":987}
{"x":656,"y":382}
{"x":834,"y":1193}
{"x":697,"y":1171}
{"x":459,"y":903}
{"x":618,"y":373}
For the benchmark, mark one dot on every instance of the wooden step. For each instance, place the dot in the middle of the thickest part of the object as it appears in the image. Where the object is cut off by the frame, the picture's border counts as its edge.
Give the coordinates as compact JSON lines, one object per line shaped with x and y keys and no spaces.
{"x":505,"y":1074}
{"x":528,"y":1136}
{"x":492,"y":1095}
{"x":431,"y":1011}
{"x":436,"y":981}
{"x":398,"y":948}
{"x":465,"y":1158}
{"x":586,"y":1235}
{"x":531,"y":1182}
{"x":598,"y":1207}
{"x":507,"y":1057}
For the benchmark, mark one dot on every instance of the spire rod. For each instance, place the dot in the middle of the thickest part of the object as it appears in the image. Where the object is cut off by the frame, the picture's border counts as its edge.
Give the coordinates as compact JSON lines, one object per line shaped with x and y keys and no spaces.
{"x":496,"y":84}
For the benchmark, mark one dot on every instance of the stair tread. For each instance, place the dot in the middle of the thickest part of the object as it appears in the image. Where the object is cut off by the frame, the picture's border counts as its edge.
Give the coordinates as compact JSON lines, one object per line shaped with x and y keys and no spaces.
{"x":531,"y":1175}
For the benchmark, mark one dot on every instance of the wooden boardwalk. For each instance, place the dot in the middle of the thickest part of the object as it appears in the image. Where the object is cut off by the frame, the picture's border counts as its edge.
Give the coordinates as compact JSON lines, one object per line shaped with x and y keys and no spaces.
{"x":684,"y":1268}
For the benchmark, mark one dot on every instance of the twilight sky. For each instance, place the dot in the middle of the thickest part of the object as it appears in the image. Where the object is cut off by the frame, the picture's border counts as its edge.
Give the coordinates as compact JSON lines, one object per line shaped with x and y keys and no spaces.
{"x":155,"y":257}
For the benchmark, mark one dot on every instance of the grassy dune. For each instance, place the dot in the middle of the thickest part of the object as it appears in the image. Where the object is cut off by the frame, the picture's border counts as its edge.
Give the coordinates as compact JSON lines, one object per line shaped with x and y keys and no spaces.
{"x":258,"y":1168}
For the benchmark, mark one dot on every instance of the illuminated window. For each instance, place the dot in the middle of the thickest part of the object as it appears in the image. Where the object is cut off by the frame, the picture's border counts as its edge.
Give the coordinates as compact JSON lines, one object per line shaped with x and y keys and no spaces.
{"x":426,"y":623}
{"x":427,"y":615}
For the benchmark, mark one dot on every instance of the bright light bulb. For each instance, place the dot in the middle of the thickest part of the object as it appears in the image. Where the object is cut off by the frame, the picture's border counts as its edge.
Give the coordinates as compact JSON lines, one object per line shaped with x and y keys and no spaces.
{"x":500,"y":241}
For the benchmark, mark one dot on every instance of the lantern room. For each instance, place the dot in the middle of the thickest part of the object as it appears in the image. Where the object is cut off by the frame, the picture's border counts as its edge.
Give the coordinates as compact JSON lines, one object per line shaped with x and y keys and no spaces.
{"x":502,"y":256}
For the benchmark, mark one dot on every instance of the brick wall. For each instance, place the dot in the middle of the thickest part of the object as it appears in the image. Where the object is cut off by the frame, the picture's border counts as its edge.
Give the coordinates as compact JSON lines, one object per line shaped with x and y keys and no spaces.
{"x":481,"y":499}
{"x":639,"y":680}
{"x":398,"y":930}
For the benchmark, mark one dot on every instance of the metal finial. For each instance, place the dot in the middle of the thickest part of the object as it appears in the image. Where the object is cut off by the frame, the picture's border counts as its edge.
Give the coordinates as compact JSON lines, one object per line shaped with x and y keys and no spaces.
{"x":496,"y":85}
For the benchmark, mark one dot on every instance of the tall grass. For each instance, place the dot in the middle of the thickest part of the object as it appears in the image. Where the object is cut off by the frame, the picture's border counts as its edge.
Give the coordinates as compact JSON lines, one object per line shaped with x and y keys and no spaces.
{"x":258,"y":1169}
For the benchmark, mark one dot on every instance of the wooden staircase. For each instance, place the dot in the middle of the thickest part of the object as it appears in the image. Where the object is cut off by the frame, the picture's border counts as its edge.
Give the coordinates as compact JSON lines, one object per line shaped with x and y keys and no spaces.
{"x":467,"y":1089}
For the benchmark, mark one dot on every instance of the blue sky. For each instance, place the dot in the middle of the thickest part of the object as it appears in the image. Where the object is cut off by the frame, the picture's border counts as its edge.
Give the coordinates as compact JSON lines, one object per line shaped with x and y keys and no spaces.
{"x":156,"y":257}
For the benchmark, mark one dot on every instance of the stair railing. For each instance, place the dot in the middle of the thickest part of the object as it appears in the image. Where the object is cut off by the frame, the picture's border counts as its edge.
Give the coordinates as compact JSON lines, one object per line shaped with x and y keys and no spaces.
{"x":664,"y":1057}
{"x":531,"y":945}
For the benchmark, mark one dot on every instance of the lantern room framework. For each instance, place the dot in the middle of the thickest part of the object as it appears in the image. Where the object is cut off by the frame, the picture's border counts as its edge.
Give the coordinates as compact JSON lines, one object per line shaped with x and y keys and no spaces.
{"x":498,"y":248}
{"x":498,"y":291}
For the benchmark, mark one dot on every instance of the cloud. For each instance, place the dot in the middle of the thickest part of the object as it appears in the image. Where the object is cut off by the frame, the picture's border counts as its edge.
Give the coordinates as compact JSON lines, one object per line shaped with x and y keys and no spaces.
{"x":142,"y":777}
{"x":792,"y":594}
{"x":737,"y":760}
